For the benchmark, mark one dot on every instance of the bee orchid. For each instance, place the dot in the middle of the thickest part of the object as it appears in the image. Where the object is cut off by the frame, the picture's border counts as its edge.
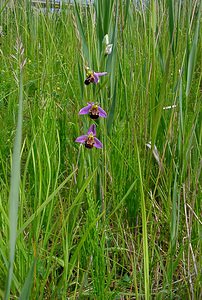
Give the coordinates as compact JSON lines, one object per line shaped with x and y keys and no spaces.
{"x":89,"y":139}
{"x":93,"y":110}
{"x":93,"y":77}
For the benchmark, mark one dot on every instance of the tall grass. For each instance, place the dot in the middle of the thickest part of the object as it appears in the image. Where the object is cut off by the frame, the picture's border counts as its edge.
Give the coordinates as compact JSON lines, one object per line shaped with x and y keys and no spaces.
{"x":122,"y":222}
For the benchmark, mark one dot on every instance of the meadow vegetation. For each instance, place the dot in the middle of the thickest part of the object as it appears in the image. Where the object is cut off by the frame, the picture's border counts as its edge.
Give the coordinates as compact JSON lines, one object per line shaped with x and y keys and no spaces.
{"x":124,"y":221}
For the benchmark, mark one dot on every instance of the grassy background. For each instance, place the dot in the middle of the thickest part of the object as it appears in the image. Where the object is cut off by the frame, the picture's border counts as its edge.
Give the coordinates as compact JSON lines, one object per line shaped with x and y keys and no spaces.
{"x":116,"y":223}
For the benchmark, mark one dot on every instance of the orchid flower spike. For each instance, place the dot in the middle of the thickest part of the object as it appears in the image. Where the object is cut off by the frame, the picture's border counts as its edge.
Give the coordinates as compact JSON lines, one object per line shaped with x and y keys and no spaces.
{"x":93,"y":77}
{"x":89,"y":139}
{"x":93,"y":110}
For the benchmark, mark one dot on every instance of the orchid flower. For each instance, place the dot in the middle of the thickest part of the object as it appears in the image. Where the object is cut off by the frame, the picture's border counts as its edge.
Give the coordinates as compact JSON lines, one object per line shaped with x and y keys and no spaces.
{"x":93,"y":77}
{"x":89,"y":139}
{"x":94,"y":111}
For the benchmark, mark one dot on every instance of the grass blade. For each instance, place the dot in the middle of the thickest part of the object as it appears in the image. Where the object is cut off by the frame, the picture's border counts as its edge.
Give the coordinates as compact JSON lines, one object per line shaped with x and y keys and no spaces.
{"x":15,"y":188}
{"x":144,"y":231}
{"x":26,"y":289}
{"x":193,"y":53}
{"x":82,"y":33}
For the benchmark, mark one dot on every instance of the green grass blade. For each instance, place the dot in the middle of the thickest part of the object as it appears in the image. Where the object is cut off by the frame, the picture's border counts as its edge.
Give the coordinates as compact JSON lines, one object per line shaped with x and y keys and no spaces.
{"x":144,"y":231}
{"x":15,"y":188}
{"x":171,"y":22}
{"x":3,"y":6}
{"x":127,"y":6}
{"x":26,"y":289}
{"x":193,"y":53}
{"x":82,"y":33}
{"x":112,"y":111}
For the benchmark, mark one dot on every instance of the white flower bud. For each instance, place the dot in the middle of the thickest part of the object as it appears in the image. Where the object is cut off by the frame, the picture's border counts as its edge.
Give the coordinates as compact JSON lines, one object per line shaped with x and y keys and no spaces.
{"x":106,"y":39}
{"x":108,"y":49}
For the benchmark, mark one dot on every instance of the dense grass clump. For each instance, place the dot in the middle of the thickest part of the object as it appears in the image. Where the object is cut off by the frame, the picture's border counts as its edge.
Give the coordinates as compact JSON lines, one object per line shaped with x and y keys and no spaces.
{"x":121,"y":222}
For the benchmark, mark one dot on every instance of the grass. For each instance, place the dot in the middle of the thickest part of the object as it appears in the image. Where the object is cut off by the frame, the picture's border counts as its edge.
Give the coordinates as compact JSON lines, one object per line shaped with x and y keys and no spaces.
{"x":122,"y":222}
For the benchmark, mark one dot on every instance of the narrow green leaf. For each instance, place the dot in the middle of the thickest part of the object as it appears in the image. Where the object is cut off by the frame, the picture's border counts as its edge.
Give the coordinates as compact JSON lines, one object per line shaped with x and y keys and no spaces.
{"x":171,"y":22}
{"x":3,"y":6}
{"x":15,"y":189}
{"x":192,"y":56}
{"x":111,"y":112}
{"x":126,"y":12}
{"x":144,"y":231}
{"x":26,"y":289}
{"x":82,"y":34}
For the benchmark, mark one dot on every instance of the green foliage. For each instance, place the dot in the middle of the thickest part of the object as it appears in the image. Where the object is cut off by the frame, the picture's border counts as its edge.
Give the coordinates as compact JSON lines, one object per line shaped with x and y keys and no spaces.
{"x":122,"y":222}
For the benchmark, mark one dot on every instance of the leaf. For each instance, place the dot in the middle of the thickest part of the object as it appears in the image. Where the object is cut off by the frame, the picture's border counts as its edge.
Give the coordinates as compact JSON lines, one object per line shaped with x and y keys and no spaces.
{"x":14,"y":189}
{"x":82,"y":34}
{"x":26,"y":289}
{"x":111,"y":113}
{"x":192,"y":56}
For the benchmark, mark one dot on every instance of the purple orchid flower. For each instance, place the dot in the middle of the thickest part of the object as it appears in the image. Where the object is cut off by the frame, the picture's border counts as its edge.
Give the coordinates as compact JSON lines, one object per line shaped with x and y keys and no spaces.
{"x":93,"y":77}
{"x":94,"y":111}
{"x":90,"y":139}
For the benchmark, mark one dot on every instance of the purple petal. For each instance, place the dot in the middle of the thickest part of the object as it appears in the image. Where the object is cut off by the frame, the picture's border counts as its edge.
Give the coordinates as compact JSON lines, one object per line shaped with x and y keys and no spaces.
{"x":96,"y":77}
{"x":102,"y":113}
{"x":97,"y":144}
{"x":99,"y":73}
{"x":85,"y":110}
{"x":92,"y":130}
{"x":81,"y":139}
{"x":91,"y":103}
